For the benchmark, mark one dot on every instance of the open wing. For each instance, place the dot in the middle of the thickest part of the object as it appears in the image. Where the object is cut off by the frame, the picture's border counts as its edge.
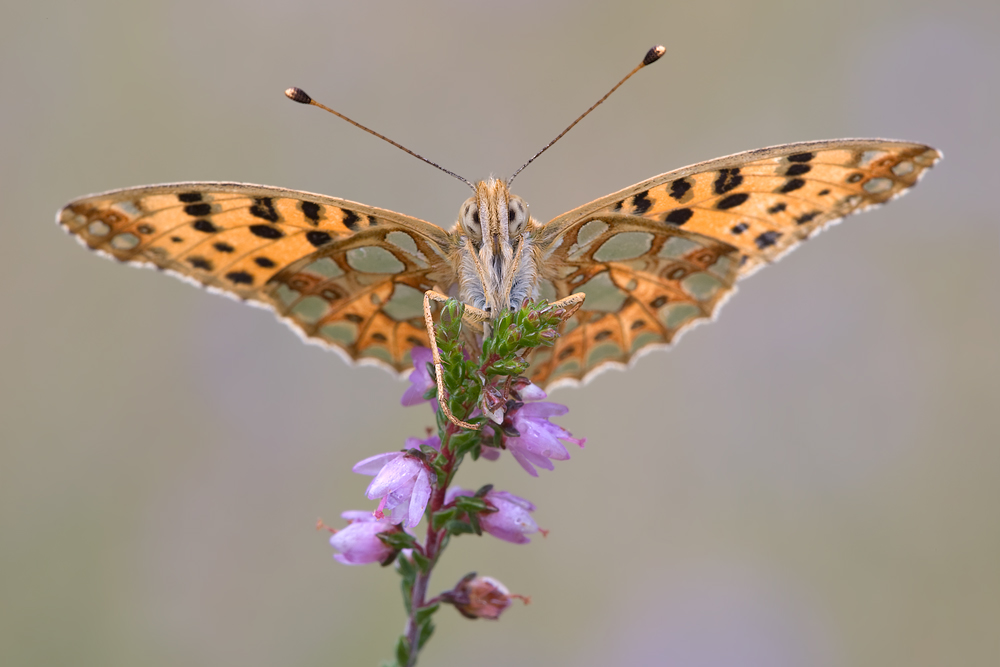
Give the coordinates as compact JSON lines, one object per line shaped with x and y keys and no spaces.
{"x":344,"y":275}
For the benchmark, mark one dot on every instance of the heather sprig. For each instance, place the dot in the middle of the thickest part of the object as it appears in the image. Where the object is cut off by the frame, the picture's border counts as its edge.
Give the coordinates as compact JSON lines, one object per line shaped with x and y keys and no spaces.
{"x":485,"y":387}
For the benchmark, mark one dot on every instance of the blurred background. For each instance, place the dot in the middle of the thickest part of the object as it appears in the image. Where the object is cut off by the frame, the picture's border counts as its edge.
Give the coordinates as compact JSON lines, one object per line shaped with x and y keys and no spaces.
{"x":814,"y":479}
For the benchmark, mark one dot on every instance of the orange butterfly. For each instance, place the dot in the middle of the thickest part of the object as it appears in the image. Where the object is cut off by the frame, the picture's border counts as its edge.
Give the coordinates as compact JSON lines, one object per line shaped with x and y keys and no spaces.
{"x":651,"y":260}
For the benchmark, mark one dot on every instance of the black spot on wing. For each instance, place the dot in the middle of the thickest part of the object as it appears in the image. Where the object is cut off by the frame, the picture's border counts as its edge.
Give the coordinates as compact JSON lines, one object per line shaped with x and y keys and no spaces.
{"x":222,"y":246}
{"x":777,"y":208}
{"x":204,"y":226}
{"x":263,"y":208}
{"x":641,"y":202}
{"x":797,"y":169}
{"x":792,"y":185}
{"x":318,"y":238}
{"x":729,"y":179}
{"x":372,"y":221}
{"x":310,"y":210}
{"x":767,"y":239}
{"x":198,"y":210}
{"x":266,"y":231}
{"x":679,"y":216}
{"x":240,"y":277}
{"x":263,"y":262}
{"x":200,"y":263}
{"x":679,"y":188}
{"x":806,"y":217}
{"x":739,"y":229}
{"x":732,"y":201}
{"x":350,"y":219}
{"x":801,"y":157}
{"x":189,"y":197}
{"x":658,"y":301}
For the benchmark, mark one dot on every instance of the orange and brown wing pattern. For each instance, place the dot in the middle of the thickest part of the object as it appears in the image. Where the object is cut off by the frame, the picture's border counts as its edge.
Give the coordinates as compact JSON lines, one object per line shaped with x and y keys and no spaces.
{"x":645,"y":282}
{"x":342,"y":274}
{"x":764,"y":202}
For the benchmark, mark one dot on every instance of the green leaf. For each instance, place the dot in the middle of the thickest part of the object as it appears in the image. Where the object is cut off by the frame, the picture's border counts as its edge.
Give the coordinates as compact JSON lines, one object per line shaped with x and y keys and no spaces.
{"x":424,"y":613}
{"x":422,"y":562}
{"x":402,"y":650}
{"x":474,"y":520}
{"x":472,"y":505}
{"x":406,"y":569}
{"x":407,"y":587}
{"x":441,"y":518}
{"x":458,"y":527}
{"x":398,"y":540}
{"x":426,"y":630}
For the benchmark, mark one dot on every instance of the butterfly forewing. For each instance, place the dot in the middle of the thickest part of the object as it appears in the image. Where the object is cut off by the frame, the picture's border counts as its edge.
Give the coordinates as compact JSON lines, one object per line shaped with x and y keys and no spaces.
{"x":706,"y":226}
{"x":343,"y":274}
{"x":645,"y":282}
{"x":764,"y":202}
{"x":652,"y":259}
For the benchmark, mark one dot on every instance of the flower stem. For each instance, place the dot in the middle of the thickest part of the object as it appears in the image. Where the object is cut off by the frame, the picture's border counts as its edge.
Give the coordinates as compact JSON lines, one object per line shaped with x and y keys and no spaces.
{"x":432,"y":548}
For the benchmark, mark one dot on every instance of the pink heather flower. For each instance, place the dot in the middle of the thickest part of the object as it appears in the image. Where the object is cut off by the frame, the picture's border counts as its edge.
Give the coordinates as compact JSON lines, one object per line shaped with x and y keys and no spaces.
{"x":402,"y":482}
{"x":358,"y":543}
{"x":528,"y":390}
{"x":433,"y":441}
{"x":538,"y":443}
{"x":489,"y":453}
{"x":420,"y":379}
{"x":511,"y":522}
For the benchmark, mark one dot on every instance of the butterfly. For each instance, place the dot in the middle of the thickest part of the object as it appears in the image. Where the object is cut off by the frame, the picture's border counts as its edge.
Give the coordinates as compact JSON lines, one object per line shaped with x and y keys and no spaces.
{"x":633,"y":269}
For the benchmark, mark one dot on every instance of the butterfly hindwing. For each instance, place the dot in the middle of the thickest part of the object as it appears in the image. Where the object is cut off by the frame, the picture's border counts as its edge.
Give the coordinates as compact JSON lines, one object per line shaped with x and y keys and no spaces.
{"x":764,"y":202}
{"x":645,"y":284}
{"x":343,"y":274}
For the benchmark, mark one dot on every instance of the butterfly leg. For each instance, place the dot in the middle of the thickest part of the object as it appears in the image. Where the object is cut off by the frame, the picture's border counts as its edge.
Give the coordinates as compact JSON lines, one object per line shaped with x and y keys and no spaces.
{"x":571,"y":303}
{"x":431,"y":295}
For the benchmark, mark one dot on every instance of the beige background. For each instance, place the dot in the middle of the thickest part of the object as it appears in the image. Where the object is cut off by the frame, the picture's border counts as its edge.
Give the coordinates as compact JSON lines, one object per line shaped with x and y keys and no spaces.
{"x":812,"y":480}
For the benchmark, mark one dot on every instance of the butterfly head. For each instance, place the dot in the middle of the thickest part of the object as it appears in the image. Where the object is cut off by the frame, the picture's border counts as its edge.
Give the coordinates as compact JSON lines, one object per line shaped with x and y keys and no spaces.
{"x":495,"y":268}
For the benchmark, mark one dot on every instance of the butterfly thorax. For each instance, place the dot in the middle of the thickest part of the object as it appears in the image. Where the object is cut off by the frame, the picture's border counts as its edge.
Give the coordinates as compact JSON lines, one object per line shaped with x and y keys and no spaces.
{"x":496,"y":263}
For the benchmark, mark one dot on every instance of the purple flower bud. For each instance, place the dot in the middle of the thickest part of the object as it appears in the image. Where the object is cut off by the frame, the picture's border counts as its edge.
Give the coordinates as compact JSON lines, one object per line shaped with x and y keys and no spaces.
{"x":403,"y":484}
{"x":512,"y":520}
{"x":420,"y":380}
{"x":538,"y":443}
{"x":527,"y":390}
{"x":358,"y":543}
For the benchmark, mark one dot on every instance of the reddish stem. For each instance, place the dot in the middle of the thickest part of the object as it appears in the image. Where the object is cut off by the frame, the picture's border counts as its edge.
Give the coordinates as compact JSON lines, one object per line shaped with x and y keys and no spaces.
{"x":431,"y":546}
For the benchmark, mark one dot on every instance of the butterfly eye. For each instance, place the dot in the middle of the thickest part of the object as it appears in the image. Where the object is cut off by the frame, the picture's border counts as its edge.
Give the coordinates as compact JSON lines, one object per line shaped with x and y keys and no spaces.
{"x":468,"y":218}
{"x":517,"y":215}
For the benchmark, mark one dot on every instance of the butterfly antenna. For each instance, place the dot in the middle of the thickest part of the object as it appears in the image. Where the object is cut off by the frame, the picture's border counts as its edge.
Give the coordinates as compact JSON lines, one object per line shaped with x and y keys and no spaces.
{"x":651,"y":57}
{"x":300,"y":96}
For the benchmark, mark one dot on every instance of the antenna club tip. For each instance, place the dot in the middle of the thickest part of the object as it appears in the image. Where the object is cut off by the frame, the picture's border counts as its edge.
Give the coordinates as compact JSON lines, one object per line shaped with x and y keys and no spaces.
{"x":298,"y":95}
{"x":654,"y":54}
